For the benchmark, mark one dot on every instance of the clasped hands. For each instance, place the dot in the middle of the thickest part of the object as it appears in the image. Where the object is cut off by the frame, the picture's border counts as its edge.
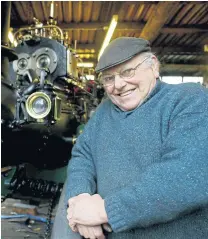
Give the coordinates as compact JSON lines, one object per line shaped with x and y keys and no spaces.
{"x":86,"y":214}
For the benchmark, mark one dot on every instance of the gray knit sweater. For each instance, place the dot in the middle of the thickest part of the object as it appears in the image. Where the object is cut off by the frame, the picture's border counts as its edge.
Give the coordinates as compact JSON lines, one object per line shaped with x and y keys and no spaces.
{"x":149,"y":164}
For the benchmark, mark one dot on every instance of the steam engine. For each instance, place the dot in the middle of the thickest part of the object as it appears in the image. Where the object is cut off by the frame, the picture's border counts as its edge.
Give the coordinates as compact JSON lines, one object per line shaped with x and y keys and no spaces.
{"x":46,"y":101}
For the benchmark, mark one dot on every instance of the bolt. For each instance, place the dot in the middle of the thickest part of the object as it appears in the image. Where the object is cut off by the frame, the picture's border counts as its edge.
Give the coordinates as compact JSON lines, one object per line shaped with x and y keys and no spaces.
{"x":46,"y":49}
{"x":34,"y":55}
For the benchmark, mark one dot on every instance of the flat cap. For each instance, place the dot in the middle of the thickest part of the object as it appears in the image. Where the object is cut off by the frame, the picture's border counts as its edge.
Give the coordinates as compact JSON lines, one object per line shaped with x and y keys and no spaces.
{"x":120,"y":50}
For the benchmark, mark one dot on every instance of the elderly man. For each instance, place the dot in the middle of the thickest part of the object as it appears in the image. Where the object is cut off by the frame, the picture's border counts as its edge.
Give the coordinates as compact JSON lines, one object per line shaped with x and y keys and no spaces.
{"x":140,"y":168}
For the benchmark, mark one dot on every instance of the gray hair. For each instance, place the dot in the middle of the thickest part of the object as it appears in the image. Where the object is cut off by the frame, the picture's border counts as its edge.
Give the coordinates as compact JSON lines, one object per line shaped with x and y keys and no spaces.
{"x":149,"y":61}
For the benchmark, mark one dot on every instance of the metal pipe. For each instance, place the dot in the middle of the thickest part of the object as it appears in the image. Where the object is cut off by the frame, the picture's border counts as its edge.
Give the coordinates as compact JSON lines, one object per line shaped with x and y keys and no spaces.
{"x":5,"y":25}
{"x":75,"y":45}
{"x":43,"y":27}
{"x":71,"y":140}
{"x":52,"y":10}
{"x":31,"y":217}
{"x":5,"y":22}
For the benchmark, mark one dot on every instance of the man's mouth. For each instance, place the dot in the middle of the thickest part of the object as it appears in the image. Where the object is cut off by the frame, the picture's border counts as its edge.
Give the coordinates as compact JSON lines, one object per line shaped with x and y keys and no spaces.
{"x":128,"y":92}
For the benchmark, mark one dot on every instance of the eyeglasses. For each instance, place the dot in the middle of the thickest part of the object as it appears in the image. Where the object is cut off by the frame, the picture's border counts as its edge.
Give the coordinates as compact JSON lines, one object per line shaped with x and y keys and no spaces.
{"x":108,"y":80}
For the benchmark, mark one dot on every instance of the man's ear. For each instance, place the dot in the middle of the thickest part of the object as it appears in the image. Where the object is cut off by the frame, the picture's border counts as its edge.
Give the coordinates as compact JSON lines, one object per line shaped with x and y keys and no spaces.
{"x":155,"y":67}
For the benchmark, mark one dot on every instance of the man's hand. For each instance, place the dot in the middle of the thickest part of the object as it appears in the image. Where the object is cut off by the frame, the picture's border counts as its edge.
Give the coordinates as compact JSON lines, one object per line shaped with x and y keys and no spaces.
{"x":86,"y":210}
{"x":95,"y":232}
{"x":71,"y":202}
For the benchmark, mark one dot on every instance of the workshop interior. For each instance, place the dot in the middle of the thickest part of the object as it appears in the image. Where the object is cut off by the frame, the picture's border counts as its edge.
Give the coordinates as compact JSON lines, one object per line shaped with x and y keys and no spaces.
{"x":49,"y":88}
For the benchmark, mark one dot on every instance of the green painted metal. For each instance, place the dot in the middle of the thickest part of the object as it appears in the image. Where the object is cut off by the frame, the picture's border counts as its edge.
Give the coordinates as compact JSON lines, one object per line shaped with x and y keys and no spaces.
{"x":80,"y":129}
{"x":57,"y":175}
{"x":6,"y":180}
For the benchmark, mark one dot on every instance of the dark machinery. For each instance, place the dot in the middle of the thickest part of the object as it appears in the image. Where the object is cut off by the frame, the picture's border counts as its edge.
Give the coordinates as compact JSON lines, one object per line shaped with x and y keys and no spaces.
{"x":46,"y":100}
{"x":49,"y":100}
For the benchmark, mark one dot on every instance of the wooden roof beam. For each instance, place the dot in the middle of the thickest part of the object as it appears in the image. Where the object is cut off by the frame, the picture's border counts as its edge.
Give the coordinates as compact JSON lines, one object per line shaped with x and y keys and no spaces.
{"x":164,"y":49}
{"x":20,"y":11}
{"x":184,"y":30}
{"x":37,"y":10}
{"x":205,"y":40}
{"x":45,"y":10}
{"x":128,"y":26}
{"x":183,"y":67}
{"x":162,"y":12}
{"x":170,"y":67}
{"x":178,"y":50}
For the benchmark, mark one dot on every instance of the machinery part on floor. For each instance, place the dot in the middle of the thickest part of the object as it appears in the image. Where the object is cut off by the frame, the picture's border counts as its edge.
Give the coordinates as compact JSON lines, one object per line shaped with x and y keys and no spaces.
{"x":36,"y":187}
{"x":47,"y":233}
{"x":29,"y":216}
{"x":20,"y":183}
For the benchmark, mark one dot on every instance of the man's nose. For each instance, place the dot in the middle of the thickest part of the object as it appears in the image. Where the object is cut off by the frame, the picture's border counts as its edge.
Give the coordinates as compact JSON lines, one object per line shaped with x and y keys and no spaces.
{"x":119,"y":82}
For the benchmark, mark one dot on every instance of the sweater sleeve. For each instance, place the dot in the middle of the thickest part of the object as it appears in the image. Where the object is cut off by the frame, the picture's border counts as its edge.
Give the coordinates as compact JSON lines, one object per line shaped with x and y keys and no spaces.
{"x":81,"y":175}
{"x":174,"y":186}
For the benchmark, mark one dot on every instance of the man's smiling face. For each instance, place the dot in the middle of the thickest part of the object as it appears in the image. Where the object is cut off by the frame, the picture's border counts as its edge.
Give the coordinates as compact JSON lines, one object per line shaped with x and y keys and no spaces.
{"x":129,"y":93}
